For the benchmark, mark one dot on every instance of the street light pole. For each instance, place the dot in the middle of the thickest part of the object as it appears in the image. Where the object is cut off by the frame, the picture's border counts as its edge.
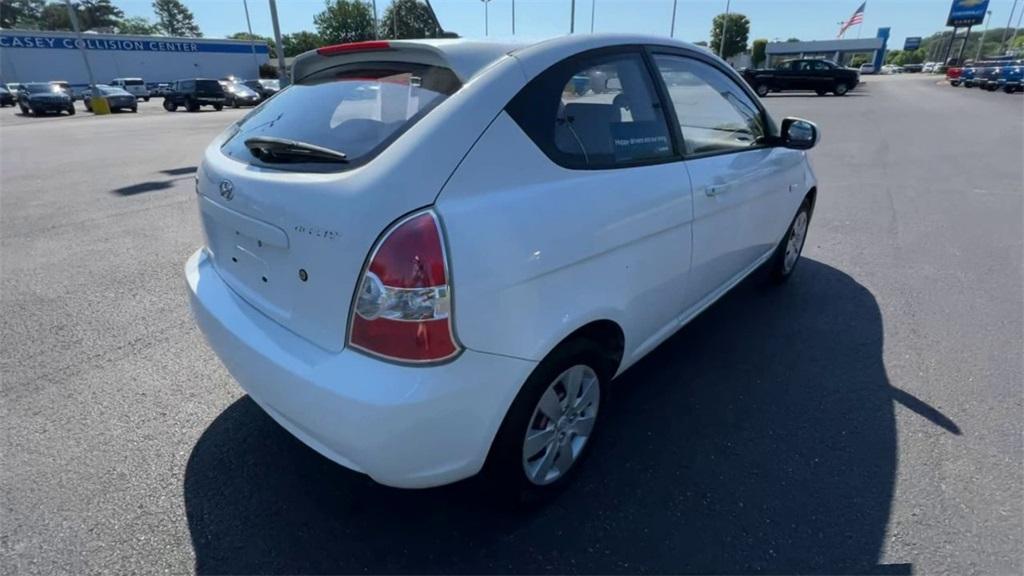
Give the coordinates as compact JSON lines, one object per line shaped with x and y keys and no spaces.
{"x":672,"y":30}
{"x":99,"y":106}
{"x":376,"y":25}
{"x":1009,"y":21}
{"x":252,"y":39}
{"x":592,"y":9}
{"x":513,"y":17}
{"x":487,"y":19}
{"x":988,"y":21}
{"x":281,"y":73}
{"x":725,"y":28}
{"x":572,"y":18}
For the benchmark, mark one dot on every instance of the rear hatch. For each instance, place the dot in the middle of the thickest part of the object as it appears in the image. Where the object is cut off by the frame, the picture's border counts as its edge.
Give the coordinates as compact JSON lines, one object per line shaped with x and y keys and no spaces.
{"x":289,"y":202}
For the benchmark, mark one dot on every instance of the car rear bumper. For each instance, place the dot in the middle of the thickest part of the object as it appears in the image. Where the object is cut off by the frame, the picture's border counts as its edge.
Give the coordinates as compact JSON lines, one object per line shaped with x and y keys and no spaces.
{"x":404,"y":426}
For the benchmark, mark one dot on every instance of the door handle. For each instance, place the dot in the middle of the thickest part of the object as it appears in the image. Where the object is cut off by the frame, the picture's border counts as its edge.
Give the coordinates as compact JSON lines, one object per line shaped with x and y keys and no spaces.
{"x":712,"y":191}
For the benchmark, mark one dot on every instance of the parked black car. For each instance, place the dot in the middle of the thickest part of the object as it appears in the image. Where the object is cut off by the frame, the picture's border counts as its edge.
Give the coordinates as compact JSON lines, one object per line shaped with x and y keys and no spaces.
{"x":117,"y":98}
{"x":38,"y":98}
{"x":264,"y":87}
{"x":6,"y":98}
{"x":822,"y":76}
{"x":194,"y":93}
{"x":237,"y":94}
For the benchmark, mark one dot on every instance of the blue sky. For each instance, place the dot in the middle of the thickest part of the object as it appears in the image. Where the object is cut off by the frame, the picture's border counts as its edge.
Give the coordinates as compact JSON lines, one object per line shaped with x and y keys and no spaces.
{"x":804,"y":19}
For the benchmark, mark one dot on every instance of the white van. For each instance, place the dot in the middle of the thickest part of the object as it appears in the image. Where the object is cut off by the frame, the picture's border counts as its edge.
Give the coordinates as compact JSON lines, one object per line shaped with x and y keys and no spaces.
{"x":134,"y":86}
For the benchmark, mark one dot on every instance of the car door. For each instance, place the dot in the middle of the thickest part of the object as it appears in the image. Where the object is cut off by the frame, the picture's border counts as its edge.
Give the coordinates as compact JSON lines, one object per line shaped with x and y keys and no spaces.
{"x":784,"y":75}
{"x":822,"y":75}
{"x":740,"y":184}
{"x":595,"y":210}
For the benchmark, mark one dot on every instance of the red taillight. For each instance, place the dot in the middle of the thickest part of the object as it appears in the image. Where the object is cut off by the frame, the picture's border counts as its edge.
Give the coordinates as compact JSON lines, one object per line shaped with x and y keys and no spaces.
{"x":368,"y":46}
{"x":403,"y":308}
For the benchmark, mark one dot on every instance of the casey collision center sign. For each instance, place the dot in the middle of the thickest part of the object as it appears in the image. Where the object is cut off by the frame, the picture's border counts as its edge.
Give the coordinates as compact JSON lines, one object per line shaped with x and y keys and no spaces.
{"x":126,"y":44}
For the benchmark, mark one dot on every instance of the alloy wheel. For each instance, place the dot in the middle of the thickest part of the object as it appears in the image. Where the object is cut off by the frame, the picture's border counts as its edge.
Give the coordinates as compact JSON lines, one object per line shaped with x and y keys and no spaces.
{"x":795,"y":243}
{"x":561,"y":424}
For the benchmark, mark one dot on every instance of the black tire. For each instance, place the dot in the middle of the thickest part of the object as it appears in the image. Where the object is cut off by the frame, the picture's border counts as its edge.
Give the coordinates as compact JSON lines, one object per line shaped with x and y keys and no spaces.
{"x":840,"y":89}
{"x":169,"y":105}
{"x":777,"y":263}
{"x":762,"y":89}
{"x":219,"y":107}
{"x":134,"y":109}
{"x":24,"y":110}
{"x":36,"y":113}
{"x":191,"y":105}
{"x":504,"y":470}
{"x":954,"y":83}
{"x":71,"y":110}
{"x":234,"y":102}
{"x":145,"y":99}
{"x":821,"y":92}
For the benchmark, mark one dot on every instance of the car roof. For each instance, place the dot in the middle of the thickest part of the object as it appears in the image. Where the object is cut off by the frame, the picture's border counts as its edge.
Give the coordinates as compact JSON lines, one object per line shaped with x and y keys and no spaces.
{"x":467,"y":57}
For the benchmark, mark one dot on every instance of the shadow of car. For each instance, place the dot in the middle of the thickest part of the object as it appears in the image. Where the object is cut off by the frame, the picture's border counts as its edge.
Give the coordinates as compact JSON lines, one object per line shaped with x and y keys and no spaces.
{"x":761,"y":437}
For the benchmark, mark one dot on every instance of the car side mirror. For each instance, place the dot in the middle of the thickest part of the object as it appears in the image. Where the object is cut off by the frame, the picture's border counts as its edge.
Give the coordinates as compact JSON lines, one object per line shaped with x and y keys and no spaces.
{"x":799,"y":134}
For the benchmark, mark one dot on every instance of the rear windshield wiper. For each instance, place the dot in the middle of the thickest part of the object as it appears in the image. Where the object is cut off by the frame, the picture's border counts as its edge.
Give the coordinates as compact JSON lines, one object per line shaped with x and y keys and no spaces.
{"x":269,"y":149}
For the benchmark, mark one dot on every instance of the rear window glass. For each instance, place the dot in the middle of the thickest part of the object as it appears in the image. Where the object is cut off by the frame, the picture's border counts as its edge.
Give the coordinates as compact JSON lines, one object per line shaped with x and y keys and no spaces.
{"x":356,"y":109}
{"x":208,"y":85}
{"x":135,"y":82}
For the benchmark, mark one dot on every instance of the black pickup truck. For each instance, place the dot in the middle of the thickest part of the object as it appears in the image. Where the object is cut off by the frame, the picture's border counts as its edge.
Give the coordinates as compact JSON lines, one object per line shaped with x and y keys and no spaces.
{"x":821,"y":76}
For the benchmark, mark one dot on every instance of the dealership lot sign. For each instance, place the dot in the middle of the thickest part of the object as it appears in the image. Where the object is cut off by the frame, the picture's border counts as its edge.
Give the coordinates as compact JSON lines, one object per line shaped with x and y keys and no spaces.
{"x":967,"y":12}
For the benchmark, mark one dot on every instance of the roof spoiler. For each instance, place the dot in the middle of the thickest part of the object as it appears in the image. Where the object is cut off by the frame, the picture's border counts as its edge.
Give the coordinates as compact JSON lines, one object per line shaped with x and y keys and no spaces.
{"x":314,"y":61}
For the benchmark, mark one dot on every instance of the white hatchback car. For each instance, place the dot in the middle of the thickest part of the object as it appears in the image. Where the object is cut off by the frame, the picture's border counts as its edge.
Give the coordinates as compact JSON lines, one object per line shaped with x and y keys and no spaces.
{"x":429,"y":258}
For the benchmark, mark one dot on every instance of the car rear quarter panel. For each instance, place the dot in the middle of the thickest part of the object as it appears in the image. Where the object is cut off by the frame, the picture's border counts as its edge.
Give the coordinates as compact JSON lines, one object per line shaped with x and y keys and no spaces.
{"x":538,"y":251}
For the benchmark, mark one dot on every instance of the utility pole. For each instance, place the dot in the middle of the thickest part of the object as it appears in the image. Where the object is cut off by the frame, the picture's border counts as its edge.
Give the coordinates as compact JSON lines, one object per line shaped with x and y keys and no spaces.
{"x":672,"y":30}
{"x":977,"y":56}
{"x":376,"y":25}
{"x":592,"y":8}
{"x":725,"y":28}
{"x":281,"y":72}
{"x":513,"y":17}
{"x":572,"y":18}
{"x":252,"y":39}
{"x":487,"y":19}
{"x":99,"y":103}
{"x":1009,"y":21}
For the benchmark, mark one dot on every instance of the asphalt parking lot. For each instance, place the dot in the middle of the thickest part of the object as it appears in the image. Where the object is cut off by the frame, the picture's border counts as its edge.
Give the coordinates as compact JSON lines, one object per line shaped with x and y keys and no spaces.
{"x":865,"y":418}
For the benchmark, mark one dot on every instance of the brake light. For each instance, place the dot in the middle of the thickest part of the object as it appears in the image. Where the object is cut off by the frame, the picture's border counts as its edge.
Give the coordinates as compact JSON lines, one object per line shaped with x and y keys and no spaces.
{"x":403,"y":308}
{"x":366,"y":46}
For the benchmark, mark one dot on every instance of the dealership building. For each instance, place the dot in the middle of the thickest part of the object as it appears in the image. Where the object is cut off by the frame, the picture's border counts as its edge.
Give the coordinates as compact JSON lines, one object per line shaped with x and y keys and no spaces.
{"x":840,"y":51}
{"x":32,"y":56}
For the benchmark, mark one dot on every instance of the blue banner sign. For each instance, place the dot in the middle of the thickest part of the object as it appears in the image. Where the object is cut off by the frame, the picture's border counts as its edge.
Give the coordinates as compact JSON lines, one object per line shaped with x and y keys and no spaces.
{"x":912,"y":43}
{"x":125,"y":44}
{"x":967,"y":12}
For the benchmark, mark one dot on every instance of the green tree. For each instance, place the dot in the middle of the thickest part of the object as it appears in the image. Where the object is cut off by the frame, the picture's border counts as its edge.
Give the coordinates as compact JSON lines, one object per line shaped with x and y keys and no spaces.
{"x":408,"y":19}
{"x":791,"y":39}
{"x":98,"y":14}
{"x":758,"y":53}
{"x":736,"y":33}
{"x":264,"y":39}
{"x":299,"y":42}
{"x":54,"y":17}
{"x":20,"y":13}
{"x":176,"y":19}
{"x":344,"y":21}
{"x":137,"y":25}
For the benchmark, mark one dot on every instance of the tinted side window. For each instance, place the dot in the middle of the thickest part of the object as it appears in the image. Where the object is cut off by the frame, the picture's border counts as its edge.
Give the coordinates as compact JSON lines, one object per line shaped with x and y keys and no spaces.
{"x":187,"y":85}
{"x":595,"y":112}
{"x":714,"y":113}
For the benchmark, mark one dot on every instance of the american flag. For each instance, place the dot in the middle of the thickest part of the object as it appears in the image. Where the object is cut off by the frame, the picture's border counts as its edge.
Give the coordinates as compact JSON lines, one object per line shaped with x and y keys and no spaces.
{"x":857,"y":18}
